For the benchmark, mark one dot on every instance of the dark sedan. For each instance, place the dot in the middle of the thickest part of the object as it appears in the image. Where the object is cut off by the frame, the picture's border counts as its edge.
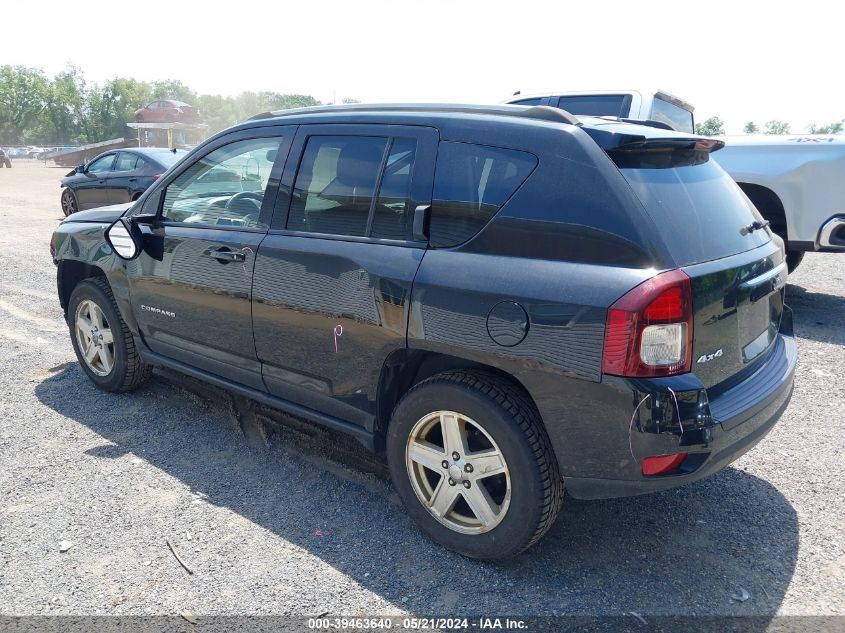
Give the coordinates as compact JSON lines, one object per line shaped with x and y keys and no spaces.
{"x":115,"y":177}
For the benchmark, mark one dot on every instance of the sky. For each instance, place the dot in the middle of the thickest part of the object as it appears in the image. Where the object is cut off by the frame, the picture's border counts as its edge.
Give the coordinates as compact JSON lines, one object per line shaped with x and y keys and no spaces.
{"x":738,"y":60}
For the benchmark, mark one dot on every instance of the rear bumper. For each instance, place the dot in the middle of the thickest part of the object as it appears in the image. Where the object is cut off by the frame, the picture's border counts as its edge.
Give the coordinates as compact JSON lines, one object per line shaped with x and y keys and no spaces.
{"x":714,"y":432}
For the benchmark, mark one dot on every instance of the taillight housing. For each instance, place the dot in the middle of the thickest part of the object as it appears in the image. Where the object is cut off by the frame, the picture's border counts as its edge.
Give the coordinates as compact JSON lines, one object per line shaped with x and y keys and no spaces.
{"x":649,"y":329}
{"x":157,"y":176}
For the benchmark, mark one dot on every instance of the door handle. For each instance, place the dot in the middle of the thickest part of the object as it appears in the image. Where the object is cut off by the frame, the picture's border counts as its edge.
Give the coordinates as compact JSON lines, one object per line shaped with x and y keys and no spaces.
{"x":225,"y":255}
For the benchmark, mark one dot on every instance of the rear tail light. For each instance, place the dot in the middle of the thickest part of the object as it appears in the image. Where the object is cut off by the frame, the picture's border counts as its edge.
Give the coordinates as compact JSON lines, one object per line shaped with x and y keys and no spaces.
{"x":157,"y":176}
{"x":649,"y":330}
{"x":663,"y":464}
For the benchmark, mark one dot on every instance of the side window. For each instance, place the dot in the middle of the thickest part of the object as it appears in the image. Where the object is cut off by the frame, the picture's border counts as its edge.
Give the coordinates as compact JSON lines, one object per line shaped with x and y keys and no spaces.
{"x":470,"y":184}
{"x":101,"y":165}
{"x":126,"y":162}
{"x":223,"y":188}
{"x":528,"y":102}
{"x":393,"y":217}
{"x":139,"y":165}
{"x":335,"y":184}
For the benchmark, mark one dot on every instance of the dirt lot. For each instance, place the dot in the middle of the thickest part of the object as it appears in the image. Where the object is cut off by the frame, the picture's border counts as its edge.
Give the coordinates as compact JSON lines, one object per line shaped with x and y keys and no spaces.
{"x":307,"y":524}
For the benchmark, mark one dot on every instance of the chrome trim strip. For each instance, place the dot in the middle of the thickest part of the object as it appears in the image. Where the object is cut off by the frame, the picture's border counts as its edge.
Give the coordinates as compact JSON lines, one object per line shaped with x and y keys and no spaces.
{"x":766,"y":276}
{"x":827,"y":230}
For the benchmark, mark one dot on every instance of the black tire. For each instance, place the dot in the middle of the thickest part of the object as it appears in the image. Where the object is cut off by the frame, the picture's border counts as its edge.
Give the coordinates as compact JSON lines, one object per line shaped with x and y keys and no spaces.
{"x":128,"y":372}
{"x":69,"y":202}
{"x":513,"y":422}
{"x":793,"y":258}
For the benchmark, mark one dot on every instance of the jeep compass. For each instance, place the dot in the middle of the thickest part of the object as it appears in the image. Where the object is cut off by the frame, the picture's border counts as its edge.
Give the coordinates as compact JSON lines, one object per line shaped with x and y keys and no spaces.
{"x":508,"y":303}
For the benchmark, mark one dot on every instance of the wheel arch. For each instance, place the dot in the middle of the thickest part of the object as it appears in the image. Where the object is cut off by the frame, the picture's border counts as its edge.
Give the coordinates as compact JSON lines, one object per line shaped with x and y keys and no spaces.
{"x":70,"y":273}
{"x":769,"y":205}
{"x":404,"y":368}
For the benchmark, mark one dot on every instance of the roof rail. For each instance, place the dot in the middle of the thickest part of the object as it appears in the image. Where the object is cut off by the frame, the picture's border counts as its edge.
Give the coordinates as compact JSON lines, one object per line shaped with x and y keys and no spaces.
{"x":543,"y":113}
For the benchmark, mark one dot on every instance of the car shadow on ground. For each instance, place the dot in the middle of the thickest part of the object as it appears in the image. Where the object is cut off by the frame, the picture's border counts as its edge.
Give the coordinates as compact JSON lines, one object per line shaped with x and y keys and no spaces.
{"x":688,"y":551}
{"x":818,"y":316}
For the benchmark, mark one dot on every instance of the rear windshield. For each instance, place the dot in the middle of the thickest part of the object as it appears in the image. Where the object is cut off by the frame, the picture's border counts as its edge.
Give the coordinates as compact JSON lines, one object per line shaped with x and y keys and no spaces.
{"x":675,"y":116}
{"x":699,"y":211}
{"x":168,"y":159}
{"x":597,"y":105}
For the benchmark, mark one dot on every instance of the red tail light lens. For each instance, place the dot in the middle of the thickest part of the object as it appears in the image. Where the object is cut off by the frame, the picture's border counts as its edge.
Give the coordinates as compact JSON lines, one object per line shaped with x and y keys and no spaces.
{"x":649,"y":329}
{"x":157,"y":176}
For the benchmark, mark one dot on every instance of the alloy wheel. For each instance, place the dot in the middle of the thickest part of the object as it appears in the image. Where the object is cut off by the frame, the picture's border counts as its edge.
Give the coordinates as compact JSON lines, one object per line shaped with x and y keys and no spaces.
{"x":94,"y":337}
{"x":458,"y":472}
{"x":68,"y":202}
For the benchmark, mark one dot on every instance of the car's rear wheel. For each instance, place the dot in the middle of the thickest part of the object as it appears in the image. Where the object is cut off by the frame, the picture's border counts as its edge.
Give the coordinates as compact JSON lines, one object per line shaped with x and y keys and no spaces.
{"x":102,"y":341}
{"x":69,"y":204}
{"x":472,"y":463}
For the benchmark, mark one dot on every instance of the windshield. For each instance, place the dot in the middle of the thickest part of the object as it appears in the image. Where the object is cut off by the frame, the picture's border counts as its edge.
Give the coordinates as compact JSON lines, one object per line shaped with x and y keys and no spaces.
{"x":699,"y":211}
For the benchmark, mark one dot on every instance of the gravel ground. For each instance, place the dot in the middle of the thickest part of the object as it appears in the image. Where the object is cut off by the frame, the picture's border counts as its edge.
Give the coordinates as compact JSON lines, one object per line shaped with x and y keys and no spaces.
{"x":275,"y":517}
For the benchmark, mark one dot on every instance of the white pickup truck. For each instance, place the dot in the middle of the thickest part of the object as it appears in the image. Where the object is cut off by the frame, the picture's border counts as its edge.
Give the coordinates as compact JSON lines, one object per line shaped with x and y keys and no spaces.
{"x":797,"y":182}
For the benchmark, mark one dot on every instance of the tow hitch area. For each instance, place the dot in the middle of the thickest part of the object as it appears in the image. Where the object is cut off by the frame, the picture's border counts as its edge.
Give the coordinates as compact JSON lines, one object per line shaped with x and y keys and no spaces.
{"x":671,"y":427}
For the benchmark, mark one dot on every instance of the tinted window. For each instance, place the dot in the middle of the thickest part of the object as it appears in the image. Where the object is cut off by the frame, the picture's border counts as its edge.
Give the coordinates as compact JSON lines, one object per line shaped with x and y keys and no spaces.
{"x":698,"y":209}
{"x":671,"y":114}
{"x":335,"y":184}
{"x":223,"y":188}
{"x":102,"y":164}
{"x":470,"y":184}
{"x":125,"y":162}
{"x":529,"y":102}
{"x":392,"y":218}
{"x":140,"y":163}
{"x":597,"y":105}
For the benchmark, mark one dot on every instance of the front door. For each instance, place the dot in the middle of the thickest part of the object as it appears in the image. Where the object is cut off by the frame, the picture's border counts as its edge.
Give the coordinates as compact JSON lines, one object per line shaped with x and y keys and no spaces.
{"x":191,"y":288}
{"x":333,"y":278}
{"x":92,"y":191}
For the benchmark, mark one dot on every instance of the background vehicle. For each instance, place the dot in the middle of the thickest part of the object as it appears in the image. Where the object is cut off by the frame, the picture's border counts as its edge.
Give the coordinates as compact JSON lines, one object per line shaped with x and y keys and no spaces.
{"x":5,"y":161}
{"x":794,"y":181}
{"x":167,"y":111}
{"x":502,"y":299}
{"x":115,"y":177}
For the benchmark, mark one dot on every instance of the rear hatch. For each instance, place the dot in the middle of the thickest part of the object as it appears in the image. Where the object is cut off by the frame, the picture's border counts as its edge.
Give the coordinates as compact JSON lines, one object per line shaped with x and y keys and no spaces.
{"x":718,"y":238}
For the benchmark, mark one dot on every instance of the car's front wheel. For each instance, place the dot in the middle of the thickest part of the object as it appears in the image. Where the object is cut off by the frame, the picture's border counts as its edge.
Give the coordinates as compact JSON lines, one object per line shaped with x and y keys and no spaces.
{"x":473,"y":464}
{"x":69,"y":204}
{"x":102,"y":341}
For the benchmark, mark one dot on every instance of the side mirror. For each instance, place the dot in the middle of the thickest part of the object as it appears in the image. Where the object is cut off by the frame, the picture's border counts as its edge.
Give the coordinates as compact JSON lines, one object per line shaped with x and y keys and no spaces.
{"x":125,"y":238}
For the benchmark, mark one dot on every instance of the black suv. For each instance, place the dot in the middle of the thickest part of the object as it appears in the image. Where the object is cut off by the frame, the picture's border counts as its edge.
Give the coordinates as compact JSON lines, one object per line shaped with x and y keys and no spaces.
{"x":504,"y":300}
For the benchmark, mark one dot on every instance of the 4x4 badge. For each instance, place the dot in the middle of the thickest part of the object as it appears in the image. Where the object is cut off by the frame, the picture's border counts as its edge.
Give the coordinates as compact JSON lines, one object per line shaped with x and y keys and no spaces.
{"x":708,"y":357}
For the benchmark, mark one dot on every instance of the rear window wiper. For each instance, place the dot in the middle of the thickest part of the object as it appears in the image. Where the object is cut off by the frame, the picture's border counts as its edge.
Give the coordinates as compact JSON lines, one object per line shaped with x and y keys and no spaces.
{"x":756,"y":225}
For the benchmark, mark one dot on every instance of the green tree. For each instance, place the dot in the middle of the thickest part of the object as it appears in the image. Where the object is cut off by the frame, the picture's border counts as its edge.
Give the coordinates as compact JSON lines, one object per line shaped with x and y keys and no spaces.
{"x":751,"y":128}
{"x":777,"y":127}
{"x":714,"y":126}
{"x":23,"y":97}
{"x":173,"y":89}
{"x":832,"y":128}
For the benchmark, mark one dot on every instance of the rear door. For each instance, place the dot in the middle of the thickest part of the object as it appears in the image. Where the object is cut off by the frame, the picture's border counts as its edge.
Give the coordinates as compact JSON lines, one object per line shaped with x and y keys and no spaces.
{"x":717,"y":236}
{"x":122,"y":177}
{"x":333,"y":278}
{"x":191,"y":287}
